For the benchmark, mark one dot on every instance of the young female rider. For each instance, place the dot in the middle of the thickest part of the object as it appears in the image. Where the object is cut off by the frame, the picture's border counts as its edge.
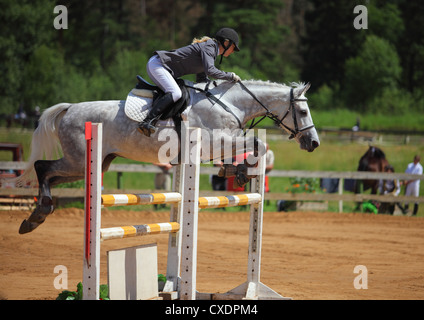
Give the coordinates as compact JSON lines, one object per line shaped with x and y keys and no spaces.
{"x":197,"y":58}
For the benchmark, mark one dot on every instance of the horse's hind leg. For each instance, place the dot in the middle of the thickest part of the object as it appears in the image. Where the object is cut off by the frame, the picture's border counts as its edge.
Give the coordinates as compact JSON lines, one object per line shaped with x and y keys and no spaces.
{"x":49,"y":172}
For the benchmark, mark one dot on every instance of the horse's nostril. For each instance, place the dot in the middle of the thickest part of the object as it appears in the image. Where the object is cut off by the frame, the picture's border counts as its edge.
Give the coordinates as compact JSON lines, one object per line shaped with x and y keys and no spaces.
{"x":315,"y":144}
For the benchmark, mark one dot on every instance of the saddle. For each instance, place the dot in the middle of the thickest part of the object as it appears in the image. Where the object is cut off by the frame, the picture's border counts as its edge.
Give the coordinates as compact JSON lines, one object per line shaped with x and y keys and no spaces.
{"x":179,"y":106}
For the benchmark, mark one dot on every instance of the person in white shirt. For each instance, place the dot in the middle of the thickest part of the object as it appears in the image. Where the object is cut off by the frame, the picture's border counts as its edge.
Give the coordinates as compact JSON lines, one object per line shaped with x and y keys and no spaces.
{"x":413,"y":186}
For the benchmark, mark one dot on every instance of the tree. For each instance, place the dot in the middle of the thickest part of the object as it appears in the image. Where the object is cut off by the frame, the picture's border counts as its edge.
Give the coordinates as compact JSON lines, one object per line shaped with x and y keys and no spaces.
{"x":330,"y":40}
{"x":376,"y":68}
{"x":411,"y":45}
{"x":261,"y":32}
{"x":26,"y":25}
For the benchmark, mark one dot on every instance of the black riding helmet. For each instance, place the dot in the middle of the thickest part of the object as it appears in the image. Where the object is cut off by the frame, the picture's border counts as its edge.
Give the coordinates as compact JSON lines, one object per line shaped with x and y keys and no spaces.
{"x":227,"y":34}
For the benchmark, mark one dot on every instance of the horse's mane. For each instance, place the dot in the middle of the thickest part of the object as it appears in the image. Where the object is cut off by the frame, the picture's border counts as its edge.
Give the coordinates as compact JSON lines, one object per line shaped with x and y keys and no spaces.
{"x":269,"y":84}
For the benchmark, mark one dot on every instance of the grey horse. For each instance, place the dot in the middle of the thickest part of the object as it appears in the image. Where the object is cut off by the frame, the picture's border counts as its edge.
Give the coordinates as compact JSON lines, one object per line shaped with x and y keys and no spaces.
{"x":64,"y":124}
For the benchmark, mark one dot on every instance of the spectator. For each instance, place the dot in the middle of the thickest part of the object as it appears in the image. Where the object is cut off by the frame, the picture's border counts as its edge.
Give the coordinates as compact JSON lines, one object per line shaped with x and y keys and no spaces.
{"x":357,"y":126}
{"x":389,"y":187}
{"x":413,"y":186}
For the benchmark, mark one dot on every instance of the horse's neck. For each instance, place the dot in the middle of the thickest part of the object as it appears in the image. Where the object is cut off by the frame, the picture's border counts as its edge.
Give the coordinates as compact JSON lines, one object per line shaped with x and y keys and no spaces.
{"x":269,"y":94}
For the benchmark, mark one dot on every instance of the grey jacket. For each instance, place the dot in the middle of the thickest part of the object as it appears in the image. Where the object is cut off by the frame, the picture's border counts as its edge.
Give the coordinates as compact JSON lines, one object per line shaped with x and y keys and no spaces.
{"x":198,"y":58}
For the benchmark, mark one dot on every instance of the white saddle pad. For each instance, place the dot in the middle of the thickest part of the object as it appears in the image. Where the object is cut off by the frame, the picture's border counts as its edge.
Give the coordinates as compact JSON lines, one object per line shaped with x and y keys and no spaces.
{"x":138,"y":105}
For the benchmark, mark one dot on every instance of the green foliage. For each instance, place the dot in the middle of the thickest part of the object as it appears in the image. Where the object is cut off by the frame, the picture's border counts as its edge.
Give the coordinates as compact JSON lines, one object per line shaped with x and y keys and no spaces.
{"x":374,"y":70}
{"x":303,"y":185}
{"x":23,"y":30}
{"x":385,"y":21}
{"x":78,"y":295}
{"x":323,"y":99}
{"x":330,"y":40}
{"x":71,"y":295}
{"x":44,"y":86}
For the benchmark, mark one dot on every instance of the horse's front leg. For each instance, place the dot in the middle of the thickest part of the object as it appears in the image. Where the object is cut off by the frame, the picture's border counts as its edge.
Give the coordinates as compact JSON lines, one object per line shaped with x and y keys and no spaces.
{"x":225,"y":146}
{"x":44,"y":205}
{"x":245,"y":170}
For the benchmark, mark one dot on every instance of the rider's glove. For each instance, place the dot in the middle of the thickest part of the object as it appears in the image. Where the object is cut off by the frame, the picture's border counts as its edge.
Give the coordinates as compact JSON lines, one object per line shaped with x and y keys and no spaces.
{"x":236,"y":78}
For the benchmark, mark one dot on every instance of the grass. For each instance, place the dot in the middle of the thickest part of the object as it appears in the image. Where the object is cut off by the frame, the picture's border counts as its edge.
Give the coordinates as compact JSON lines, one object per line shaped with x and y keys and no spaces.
{"x":342,"y":118}
{"x":330,"y":156}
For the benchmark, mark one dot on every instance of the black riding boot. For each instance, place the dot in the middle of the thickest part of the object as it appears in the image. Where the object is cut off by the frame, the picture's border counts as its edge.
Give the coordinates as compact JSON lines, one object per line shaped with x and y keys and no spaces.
{"x":147,"y":127}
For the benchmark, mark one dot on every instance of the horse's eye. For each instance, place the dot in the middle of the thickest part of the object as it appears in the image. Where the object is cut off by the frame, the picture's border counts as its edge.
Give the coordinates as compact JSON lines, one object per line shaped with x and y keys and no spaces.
{"x":304,"y":112}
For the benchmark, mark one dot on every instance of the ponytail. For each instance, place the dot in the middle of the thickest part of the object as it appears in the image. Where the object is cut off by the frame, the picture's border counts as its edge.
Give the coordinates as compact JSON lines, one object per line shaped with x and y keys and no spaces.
{"x":203,"y":39}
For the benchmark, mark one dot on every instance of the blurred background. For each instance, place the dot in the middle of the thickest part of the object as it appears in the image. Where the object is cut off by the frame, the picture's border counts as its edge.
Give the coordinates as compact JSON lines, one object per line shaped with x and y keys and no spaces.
{"x":376,"y":71}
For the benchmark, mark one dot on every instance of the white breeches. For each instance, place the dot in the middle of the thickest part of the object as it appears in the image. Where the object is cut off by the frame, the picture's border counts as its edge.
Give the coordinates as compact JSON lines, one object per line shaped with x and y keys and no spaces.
{"x":162,"y":78}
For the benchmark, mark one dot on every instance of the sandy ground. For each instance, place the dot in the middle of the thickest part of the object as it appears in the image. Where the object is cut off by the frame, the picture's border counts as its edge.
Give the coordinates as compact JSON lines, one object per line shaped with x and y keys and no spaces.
{"x":305,"y":255}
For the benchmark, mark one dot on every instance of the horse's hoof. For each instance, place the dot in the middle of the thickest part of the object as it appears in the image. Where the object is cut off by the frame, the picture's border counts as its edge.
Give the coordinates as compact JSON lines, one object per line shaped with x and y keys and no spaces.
{"x":36,"y":218}
{"x":28,"y":226}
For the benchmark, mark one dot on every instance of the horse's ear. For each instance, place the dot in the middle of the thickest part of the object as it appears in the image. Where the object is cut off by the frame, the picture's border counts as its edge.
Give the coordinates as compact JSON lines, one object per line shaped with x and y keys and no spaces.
{"x":306,"y":88}
{"x":303,"y":90}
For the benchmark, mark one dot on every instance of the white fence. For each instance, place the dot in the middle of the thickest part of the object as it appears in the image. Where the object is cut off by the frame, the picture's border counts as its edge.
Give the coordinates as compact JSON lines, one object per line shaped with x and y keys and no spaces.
{"x":208,"y":170}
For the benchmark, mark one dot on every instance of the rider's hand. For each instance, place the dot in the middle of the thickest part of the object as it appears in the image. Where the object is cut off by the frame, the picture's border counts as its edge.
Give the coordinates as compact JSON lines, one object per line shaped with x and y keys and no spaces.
{"x":236,"y":78}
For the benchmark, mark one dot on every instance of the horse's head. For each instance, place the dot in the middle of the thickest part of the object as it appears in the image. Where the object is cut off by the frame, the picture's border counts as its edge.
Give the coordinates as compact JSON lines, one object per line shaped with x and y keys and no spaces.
{"x":297,"y":119}
{"x":374,"y":159}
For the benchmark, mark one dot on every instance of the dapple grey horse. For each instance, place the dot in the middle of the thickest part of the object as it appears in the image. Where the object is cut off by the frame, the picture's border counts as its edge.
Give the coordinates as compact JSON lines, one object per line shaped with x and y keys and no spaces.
{"x":65,"y":123}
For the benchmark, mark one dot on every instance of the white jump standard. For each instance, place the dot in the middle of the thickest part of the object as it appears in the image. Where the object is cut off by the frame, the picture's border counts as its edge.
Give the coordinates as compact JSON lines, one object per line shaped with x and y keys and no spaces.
{"x":182,"y":228}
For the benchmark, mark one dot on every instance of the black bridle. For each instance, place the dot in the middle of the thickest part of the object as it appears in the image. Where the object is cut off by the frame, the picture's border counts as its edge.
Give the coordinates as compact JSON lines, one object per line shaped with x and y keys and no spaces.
{"x":294,"y":132}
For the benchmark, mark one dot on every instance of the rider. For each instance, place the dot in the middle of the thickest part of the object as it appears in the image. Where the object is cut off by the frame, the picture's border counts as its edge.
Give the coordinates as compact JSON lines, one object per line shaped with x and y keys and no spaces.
{"x":197,"y":58}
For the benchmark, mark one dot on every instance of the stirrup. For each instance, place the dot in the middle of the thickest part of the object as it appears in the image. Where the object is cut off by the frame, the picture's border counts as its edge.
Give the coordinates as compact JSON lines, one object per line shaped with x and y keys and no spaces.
{"x":146,"y":128}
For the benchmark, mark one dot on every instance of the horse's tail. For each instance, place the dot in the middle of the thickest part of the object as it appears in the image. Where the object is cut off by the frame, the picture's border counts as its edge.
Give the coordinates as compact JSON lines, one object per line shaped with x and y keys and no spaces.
{"x":45,"y":141}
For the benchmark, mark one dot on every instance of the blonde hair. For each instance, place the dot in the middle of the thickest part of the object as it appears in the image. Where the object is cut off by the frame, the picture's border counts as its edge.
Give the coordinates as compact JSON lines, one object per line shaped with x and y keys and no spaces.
{"x":203,"y":39}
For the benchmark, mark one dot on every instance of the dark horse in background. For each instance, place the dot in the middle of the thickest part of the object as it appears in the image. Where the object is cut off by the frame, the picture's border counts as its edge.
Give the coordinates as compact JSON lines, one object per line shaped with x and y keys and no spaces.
{"x":373,"y":160}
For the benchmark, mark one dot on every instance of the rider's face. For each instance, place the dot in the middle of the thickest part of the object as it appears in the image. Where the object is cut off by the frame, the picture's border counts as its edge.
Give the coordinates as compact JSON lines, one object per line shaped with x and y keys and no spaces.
{"x":229,"y":51}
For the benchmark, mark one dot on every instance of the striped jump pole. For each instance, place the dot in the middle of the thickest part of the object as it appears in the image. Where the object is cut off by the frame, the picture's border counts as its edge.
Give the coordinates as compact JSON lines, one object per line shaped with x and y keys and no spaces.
{"x":138,"y":230}
{"x":229,"y":201}
{"x":109,"y":200}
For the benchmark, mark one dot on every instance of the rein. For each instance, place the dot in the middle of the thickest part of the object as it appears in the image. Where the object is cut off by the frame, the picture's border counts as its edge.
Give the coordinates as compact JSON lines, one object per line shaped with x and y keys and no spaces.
{"x":294,"y":132}
{"x":216,"y":100}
